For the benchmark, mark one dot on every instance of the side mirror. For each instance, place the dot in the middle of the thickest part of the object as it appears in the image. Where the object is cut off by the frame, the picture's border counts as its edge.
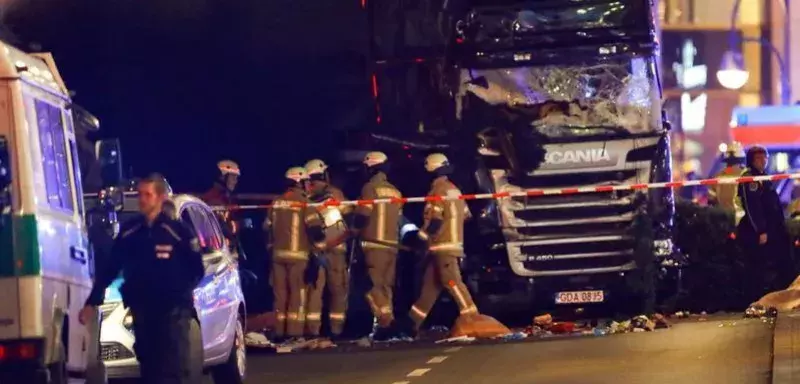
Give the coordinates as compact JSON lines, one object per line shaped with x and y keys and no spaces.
{"x":5,"y":166}
{"x":109,"y":156}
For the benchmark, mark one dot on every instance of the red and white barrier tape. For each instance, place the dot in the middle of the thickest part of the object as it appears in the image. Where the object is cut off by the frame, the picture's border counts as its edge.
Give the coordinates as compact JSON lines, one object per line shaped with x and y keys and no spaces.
{"x":533,"y":192}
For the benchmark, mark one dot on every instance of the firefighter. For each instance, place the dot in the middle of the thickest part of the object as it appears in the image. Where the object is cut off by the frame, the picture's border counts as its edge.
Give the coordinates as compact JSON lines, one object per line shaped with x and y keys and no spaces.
{"x":293,"y":228}
{"x":332,"y":272}
{"x":443,"y":235}
{"x":724,"y":195}
{"x":378,"y":228}
{"x":156,"y":248}
{"x":762,"y":231}
{"x":221,"y":194}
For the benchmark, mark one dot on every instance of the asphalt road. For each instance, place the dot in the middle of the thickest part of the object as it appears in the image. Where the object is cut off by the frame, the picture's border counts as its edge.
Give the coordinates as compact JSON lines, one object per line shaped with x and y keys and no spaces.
{"x":721,"y":350}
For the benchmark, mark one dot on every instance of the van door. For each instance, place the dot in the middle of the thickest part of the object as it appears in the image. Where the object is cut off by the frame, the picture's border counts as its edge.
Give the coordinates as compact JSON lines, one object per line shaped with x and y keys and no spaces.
{"x":62,"y":258}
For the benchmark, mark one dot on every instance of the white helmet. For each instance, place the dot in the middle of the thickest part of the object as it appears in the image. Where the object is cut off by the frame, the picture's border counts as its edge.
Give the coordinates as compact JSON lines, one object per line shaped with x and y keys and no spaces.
{"x":297,"y":174}
{"x":229,"y":167}
{"x":315,"y":167}
{"x":435,"y":161}
{"x":375,"y":158}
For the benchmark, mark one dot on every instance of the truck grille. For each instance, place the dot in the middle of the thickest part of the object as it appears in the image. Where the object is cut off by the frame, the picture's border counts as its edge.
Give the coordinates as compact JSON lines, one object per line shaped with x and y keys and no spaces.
{"x":114,"y":351}
{"x":559,"y":235}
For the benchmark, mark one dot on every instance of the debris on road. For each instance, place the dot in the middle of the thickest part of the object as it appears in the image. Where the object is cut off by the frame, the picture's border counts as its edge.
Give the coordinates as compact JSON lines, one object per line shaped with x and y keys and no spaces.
{"x":478,"y":326}
{"x":782,"y":301}
{"x":457,"y":339}
{"x":257,"y":340}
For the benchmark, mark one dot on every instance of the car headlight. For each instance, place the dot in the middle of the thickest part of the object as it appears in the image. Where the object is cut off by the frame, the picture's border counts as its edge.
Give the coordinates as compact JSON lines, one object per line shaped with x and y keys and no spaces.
{"x":663,"y":248}
{"x":127,"y":321}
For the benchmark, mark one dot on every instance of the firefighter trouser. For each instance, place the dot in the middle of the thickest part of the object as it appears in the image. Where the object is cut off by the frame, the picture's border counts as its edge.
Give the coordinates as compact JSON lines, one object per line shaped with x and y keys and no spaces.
{"x":289,"y":288}
{"x":169,"y":346}
{"x":334,"y":277}
{"x":441,"y":272}
{"x":381,"y":270}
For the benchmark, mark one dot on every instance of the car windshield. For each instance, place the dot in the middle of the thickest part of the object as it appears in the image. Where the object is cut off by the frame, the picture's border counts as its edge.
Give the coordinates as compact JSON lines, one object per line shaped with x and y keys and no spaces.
{"x":613,"y":96}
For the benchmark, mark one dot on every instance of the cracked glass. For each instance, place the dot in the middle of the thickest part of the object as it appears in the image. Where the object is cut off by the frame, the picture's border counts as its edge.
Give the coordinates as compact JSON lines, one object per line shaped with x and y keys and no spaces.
{"x":621,"y":95}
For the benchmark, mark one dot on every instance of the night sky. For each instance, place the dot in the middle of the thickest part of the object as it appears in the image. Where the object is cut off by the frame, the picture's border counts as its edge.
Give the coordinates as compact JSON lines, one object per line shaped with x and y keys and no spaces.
{"x":184,"y":83}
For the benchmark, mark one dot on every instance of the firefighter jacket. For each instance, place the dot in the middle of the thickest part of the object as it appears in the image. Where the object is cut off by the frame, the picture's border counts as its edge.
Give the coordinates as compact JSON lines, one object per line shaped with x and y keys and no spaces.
{"x":448,"y":238}
{"x":331,"y":217}
{"x":384,"y":218}
{"x":794,"y":209}
{"x":219,"y":196}
{"x":726,"y":195}
{"x":289,"y":221}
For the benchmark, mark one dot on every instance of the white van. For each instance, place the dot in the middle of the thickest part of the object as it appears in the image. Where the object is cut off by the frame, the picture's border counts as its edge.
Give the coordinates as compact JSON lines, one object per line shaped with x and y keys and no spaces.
{"x":45,"y":265}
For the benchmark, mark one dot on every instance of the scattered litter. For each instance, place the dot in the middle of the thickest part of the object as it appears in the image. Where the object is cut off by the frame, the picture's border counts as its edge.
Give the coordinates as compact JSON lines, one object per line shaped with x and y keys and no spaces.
{"x":544,"y":320}
{"x":760,"y":311}
{"x":257,"y":340}
{"x":364,"y":342}
{"x":513,"y":336}
{"x":562,"y":327}
{"x":462,"y":339}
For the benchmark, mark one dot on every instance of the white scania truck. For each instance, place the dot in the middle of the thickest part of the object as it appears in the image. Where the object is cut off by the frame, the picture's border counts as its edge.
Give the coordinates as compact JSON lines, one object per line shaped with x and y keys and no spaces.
{"x":45,"y":263}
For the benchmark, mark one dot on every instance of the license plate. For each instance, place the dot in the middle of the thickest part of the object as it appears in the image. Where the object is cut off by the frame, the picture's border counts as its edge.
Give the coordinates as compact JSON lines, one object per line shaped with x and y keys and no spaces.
{"x":579,"y":297}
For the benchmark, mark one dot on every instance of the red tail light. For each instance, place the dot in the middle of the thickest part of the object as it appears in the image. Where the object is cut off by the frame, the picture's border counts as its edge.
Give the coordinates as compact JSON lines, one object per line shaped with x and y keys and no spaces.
{"x":19,"y":351}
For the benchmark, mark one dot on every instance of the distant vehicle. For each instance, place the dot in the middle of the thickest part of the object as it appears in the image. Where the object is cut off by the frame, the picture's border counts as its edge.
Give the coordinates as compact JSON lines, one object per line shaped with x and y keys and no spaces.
{"x":45,"y":263}
{"x":776,"y":128}
{"x":218,"y":299}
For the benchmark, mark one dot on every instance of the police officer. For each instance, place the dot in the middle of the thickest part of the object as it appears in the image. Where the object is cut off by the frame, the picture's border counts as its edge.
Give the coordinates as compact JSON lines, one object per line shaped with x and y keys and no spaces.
{"x":762,"y":231}
{"x":443,"y":234}
{"x":377,"y":225}
{"x":334,"y":273}
{"x":724,"y":195}
{"x":293,"y":227}
{"x":154,"y":247}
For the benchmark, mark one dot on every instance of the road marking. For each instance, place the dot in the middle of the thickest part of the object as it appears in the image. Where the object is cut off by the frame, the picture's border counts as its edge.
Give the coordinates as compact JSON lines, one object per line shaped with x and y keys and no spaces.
{"x":418,"y":372}
{"x":451,"y":350}
{"x":437,"y":359}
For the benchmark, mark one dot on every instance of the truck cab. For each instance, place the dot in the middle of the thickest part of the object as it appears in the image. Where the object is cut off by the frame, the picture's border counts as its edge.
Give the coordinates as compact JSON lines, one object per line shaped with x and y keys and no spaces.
{"x":540,"y":95}
{"x":45,"y":263}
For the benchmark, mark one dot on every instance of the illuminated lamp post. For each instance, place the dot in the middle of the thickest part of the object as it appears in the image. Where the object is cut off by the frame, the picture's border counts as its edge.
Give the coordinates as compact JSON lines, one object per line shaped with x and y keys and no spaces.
{"x":733,"y":75}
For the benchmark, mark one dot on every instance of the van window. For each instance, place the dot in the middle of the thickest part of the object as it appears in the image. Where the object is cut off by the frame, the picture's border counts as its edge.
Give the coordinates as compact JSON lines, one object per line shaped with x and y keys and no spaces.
{"x":54,"y":156}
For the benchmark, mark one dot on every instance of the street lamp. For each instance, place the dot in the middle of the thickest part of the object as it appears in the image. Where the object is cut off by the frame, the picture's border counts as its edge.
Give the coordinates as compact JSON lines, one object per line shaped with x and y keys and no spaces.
{"x":732,"y":73}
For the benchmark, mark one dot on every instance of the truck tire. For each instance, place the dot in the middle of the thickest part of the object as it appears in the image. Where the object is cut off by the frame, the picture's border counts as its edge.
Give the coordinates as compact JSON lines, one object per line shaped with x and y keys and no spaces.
{"x":233,"y":370}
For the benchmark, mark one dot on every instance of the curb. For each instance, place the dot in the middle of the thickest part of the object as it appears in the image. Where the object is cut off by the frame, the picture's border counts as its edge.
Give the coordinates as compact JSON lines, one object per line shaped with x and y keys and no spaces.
{"x":786,"y":349}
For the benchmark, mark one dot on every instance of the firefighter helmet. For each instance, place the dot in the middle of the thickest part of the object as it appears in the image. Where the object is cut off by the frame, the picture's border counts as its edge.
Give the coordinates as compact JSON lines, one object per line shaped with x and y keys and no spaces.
{"x":375,"y":158}
{"x":229,"y":167}
{"x":316,"y":166}
{"x":734,"y":149}
{"x":297,"y":174}
{"x":435,"y":161}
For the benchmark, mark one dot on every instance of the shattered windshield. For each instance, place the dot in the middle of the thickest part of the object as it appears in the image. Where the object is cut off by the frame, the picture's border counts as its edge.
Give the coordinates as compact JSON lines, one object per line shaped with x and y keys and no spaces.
{"x":615,"y":96}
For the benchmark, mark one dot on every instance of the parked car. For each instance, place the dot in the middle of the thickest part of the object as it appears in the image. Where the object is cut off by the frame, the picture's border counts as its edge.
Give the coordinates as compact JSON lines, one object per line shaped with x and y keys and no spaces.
{"x":218,"y":299}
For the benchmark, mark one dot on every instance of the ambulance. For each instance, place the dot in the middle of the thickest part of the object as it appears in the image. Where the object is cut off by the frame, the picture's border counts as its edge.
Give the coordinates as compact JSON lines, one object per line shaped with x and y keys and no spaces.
{"x":45,"y":262}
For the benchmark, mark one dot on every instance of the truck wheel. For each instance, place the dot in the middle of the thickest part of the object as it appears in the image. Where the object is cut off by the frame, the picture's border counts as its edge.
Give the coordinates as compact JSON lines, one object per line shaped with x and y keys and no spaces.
{"x":234,"y":369}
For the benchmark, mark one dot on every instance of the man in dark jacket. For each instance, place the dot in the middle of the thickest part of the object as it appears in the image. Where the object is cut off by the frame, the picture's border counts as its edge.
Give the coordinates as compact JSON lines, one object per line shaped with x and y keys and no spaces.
{"x":762,"y":232}
{"x":161,"y":262}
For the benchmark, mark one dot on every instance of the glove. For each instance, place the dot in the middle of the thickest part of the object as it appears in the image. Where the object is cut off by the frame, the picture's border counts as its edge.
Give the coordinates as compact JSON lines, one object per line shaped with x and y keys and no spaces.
{"x":312,"y":271}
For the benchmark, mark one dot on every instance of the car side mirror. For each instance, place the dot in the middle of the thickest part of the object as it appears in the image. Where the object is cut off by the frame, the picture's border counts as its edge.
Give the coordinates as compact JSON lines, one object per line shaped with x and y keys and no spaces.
{"x":109,"y":156}
{"x":5,"y":166}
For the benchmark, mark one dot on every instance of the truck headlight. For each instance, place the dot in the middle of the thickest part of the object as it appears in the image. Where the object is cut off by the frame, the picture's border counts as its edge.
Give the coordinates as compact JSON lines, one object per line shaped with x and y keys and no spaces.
{"x":127,"y":321}
{"x":663,"y":248}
